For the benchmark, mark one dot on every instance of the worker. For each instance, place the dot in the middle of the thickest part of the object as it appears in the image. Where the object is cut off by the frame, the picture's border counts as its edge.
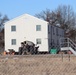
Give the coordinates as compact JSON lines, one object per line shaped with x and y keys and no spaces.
{"x":21,"y":48}
{"x":36,"y":49}
{"x":30,"y":47}
{"x":26,"y":48}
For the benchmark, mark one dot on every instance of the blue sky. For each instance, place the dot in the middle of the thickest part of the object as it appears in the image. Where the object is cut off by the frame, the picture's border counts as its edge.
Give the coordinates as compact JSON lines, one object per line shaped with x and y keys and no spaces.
{"x":14,"y":8}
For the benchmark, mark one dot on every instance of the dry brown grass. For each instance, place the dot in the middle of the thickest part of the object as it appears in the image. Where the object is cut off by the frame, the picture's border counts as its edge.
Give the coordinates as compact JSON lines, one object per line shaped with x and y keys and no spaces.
{"x":38,"y":65}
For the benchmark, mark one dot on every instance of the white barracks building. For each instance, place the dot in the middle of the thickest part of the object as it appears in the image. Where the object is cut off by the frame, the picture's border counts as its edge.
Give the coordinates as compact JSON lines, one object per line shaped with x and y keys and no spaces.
{"x":27,"y":27}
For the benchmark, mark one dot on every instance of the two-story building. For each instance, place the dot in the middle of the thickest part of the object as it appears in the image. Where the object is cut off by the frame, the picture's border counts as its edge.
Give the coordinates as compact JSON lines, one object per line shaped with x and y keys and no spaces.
{"x":27,"y":27}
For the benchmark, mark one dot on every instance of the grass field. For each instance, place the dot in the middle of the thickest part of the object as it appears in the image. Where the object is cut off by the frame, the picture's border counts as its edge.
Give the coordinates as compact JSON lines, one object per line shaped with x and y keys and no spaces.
{"x":38,"y":65}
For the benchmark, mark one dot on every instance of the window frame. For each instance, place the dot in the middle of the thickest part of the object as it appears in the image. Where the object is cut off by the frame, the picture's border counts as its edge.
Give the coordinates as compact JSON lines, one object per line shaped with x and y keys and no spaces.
{"x":53,"y":29}
{"x":38,"y":41}
{"x":13,"y":28}
{"x":48,"y":29}
{"x":38,"y":27}
{"x":13,"y":41}
{"x":57,"y":32}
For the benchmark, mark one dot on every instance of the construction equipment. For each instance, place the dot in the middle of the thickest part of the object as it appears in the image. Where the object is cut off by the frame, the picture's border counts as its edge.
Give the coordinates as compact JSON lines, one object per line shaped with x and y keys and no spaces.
{"x":28,"y":47}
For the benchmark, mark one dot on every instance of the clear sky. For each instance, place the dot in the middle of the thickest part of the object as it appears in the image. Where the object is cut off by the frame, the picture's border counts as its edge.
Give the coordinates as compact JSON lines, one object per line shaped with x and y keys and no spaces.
{"x":14,"y":8}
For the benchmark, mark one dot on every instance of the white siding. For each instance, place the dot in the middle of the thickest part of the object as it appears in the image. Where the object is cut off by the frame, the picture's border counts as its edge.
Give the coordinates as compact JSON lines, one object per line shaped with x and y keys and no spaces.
{"x":26,"y":30}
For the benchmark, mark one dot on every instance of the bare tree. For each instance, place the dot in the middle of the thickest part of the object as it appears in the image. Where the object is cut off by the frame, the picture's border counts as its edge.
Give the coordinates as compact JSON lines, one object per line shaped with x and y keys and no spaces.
{"x":66,"y":17}
{"x":3,"y":19}
{"x":47,"y":15}
{"x":63,"y":16}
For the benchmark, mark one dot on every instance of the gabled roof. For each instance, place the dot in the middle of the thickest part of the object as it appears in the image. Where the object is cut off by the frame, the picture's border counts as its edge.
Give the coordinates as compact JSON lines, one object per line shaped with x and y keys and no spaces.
{"x":25,"y":16}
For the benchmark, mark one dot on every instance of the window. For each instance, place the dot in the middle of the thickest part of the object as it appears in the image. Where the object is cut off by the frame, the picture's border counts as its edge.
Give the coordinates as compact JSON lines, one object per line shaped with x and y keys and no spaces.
{"x":38,"y":27}
{"x":38,"y":41}
{"x":57,"y":31}
{"x":13,"y":28}
{"x":13,"y":41}
{"x":57,"y":42}
{"x":48,"y":28}
{"x":53,"y":31}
